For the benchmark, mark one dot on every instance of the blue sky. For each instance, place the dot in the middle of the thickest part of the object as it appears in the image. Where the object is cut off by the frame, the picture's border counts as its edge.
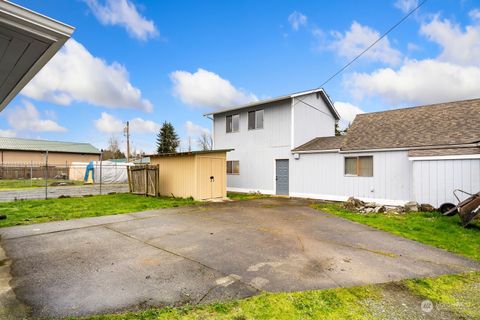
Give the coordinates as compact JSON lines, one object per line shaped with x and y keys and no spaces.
{"x":154,"y":61}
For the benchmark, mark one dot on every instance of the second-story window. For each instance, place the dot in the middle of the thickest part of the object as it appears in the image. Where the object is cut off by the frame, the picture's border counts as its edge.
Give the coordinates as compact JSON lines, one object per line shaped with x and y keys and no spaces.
{"x":233,"y":123}
{"x":255,"y":119}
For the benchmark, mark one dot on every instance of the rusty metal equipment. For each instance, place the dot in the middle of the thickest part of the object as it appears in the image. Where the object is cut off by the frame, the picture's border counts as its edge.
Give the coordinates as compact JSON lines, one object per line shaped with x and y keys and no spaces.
{"x":467,"y":209}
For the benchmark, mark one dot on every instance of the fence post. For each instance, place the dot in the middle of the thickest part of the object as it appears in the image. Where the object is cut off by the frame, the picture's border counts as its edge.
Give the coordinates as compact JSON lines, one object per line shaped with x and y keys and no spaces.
{"x":101,"y":160}
{"x":157,"y":181}
{"x":46,"y":175}
{"x":129,"y":175}
{"x":146,"y":181}
{"x":31,"y":173}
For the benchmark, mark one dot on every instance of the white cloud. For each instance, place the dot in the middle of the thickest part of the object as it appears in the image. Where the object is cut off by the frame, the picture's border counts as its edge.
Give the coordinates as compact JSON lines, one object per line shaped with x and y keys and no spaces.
{"x":358,"y":38}
{"x":453,"y":75}
{"x":475,"y":15}
{"x":123,"y":13}
{"x":110,"y":124}
{"x":7,"y":133}
{"x":458,"y":46}
{"x":27,"y":118}
{"x":406,"y":5}
{"x":297,"y":20}
{"x":347,"y":110}
{"x":74,"y":74}
{"x":207,"y":89}
{"x":424,"y":81}
{"x":139,"y":125}
{"x":195,"y":130}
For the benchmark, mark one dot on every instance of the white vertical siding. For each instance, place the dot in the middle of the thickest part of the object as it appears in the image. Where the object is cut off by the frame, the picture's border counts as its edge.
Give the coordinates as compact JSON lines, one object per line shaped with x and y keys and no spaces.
{"x":321,"y":175}
{"x":435,"y":180}
{"x":310,"y":123}
{"x":256,"y":149}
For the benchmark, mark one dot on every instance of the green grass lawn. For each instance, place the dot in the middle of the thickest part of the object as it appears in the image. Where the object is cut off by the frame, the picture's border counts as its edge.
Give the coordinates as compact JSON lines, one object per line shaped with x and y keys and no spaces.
{"x":35,"y":211}
{"x":246,"y":196}
{"x":9,"y":184}
{"x":453,"y":296}
{"x":427,"y":227}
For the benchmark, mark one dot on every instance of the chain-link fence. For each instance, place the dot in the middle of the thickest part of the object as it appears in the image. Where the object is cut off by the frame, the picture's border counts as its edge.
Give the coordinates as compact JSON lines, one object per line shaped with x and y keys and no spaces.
{"x":19,"y":181}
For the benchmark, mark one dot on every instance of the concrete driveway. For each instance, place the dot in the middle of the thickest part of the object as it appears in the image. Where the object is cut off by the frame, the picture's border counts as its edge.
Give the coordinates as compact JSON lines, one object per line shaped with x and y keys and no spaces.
{"x":204,"y":254}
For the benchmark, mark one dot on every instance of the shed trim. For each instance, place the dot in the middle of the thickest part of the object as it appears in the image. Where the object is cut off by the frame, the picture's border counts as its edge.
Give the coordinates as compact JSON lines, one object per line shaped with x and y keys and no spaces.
{"x":451,"y":157}
{"x":188,"y":153}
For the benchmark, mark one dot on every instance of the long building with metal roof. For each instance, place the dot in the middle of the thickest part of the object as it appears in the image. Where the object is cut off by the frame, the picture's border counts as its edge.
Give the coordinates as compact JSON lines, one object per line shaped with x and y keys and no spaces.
{"x":16,"y":150}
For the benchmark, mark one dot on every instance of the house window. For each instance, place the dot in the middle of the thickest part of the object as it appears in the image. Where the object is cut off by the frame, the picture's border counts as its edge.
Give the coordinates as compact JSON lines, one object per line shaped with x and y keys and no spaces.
{"x":359,"y":166}
{"x":255,"y":119}
{"x":233,"y":123}
{"x":233,"y":167}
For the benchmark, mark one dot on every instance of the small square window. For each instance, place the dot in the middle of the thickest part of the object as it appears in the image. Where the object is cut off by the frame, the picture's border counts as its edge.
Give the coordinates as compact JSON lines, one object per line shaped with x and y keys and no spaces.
{"x":233,"y":167}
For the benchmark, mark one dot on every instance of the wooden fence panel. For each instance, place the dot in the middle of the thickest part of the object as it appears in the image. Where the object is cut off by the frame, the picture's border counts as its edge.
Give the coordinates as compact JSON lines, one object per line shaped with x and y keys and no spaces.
{"x":143,"y":179}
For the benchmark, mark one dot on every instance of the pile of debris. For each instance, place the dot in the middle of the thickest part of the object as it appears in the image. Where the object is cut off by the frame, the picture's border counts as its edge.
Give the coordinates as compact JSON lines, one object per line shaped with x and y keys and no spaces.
{"x":360,"y":206}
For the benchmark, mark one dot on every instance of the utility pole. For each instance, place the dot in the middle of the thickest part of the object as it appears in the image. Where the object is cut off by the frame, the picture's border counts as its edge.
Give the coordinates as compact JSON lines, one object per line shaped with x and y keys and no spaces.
{"x":127,"y":134}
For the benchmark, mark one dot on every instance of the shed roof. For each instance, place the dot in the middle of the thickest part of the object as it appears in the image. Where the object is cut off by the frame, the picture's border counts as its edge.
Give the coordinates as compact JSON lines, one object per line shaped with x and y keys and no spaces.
{"x":450,"y":123}
{"x":188,"y":153}
{"x":17,"y":144}
{"x":322,"y":143}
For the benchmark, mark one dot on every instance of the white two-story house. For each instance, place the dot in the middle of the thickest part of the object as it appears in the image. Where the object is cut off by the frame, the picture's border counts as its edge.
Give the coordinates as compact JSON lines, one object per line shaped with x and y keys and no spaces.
{"x":287,"y":146}
{"x":264,"y":133}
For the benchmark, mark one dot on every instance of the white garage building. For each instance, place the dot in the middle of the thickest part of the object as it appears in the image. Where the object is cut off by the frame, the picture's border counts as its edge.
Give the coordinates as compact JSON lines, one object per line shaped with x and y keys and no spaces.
{"x":286,"y":146}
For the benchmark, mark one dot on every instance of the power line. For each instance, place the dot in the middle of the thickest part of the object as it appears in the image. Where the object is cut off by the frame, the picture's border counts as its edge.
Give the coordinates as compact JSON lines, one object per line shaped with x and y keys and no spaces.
{"x":374,"y":43}
{"x":363,"y":52}
{"x":313,"y":107}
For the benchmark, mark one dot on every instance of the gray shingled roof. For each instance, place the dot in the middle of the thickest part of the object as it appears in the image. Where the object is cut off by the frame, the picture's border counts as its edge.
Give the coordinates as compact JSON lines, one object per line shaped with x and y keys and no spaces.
{"x":322,"y":143}
{"x":44,"y":145}
{"x":443,"y":152}
{"x":433,"y":125}
{"x":443,"y":124}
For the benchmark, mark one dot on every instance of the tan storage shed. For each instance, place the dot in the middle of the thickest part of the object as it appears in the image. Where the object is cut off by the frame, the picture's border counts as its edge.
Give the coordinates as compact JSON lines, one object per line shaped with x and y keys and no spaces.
{"x":198,"y":174}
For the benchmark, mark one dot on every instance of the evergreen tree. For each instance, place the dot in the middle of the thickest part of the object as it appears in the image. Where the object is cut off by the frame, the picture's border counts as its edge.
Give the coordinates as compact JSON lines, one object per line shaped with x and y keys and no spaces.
{"x":338,"y":132}
{"x":167,"y":139}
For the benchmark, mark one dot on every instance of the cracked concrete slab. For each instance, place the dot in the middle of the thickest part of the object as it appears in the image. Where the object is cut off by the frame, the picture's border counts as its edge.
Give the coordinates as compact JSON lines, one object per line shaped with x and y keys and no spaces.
{"x":204,"y":254}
